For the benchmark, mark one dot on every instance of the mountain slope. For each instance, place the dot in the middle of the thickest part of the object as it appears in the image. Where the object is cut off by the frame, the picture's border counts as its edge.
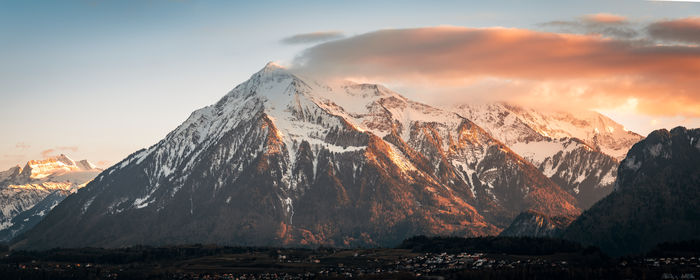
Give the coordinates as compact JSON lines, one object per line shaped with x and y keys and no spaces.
{"x":27,"y":219}
{"x":559,"y":144}
{"x":534,"y":224}
{"x":21,"y":188}
{"x":284,"y":160}
{"x":656,"y":197}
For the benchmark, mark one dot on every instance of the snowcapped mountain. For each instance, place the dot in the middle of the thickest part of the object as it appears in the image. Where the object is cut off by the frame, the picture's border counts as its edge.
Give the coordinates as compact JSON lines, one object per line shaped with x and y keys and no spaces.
{"x":656,"y":197}
{"x":287,"y":160}
{"x":21,"y":188}
{"x":594,"y":129}
{"x":60,"y":168}
{"x":579,"y":152}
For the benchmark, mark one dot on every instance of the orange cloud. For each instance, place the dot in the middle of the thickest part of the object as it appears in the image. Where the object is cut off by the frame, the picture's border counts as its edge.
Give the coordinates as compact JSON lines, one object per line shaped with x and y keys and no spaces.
{"x":605,"y":18}
{"x":552,"y":67}
{"x":47,"y":153}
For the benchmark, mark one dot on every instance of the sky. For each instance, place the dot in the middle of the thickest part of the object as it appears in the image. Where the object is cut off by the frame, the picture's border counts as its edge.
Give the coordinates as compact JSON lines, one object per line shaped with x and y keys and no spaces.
{"x":99,"y":80}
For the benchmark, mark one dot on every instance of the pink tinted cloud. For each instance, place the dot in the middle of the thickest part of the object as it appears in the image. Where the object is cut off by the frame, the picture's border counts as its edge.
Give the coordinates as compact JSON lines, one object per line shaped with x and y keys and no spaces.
{"x":605,"y":18}
{"x":54,"y":151}
{"x":610,"y":70}
{"x":47,"y":153}
{"x":22,"y":145}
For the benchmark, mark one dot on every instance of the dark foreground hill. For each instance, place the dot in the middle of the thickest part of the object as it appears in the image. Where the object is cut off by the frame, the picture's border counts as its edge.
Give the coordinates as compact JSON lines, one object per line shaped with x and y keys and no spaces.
{"x":657,"y":197}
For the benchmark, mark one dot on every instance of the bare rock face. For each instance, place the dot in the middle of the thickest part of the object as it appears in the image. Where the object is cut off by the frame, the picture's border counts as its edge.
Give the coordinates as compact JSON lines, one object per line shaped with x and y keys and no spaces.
{"x":535,"y":224}
{"x":655,"y":199}
{"x":287,"y":160}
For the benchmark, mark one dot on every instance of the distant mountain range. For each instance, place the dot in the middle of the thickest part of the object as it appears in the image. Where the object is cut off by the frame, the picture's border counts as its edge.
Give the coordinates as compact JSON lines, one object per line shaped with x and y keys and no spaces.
{"x":30,"y":192}
{"x":287,"y":160}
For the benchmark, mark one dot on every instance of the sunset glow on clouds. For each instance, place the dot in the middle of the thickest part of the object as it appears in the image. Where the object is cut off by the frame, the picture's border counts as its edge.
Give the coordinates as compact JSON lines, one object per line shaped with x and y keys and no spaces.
{"x":547,"y":69}
{"x":606,"y":18}
{"x":606,"y":25}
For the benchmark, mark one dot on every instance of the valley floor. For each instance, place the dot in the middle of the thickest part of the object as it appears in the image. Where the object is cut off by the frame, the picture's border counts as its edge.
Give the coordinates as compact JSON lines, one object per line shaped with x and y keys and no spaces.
{"x":202,"y":262}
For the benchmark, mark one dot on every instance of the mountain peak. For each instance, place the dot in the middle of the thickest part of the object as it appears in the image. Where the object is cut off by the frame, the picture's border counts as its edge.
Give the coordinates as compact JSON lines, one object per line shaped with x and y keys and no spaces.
{"x":271,"y":73}
{"x":85,"y":165}
{"x":659,"y":147}
{"x":65,"y":159}
{"x":46,"y":168}
{"x":271,"y":67}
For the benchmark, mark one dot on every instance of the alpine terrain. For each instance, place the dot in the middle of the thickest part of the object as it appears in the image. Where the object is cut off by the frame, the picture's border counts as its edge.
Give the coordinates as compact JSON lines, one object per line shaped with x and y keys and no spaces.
{"x":656,"y":197}
{"x":287,"y":160}
{"x":28,"y":193}
{"x":579,"y":152}
{"x":534,"y":224}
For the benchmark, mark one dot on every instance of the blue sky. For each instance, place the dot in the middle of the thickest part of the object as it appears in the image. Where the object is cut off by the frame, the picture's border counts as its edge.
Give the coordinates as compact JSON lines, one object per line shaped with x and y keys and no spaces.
{"x":101,"y":79}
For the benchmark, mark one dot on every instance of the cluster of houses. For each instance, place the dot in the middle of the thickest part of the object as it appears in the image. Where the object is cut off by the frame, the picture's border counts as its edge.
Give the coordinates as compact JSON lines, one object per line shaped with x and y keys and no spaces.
{"x":358,"y":264}
{"x":676,"y":261}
